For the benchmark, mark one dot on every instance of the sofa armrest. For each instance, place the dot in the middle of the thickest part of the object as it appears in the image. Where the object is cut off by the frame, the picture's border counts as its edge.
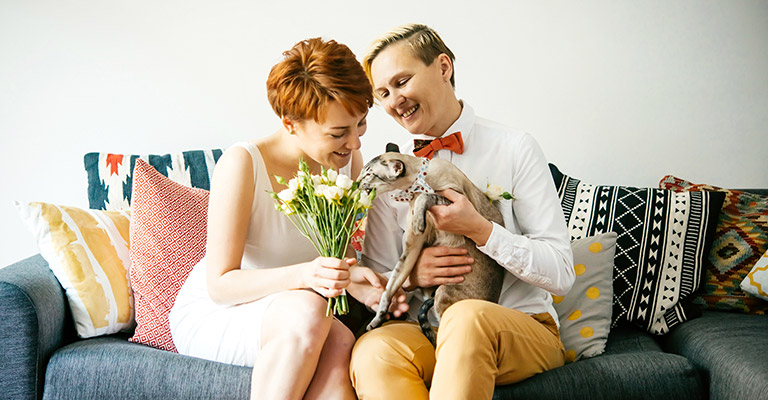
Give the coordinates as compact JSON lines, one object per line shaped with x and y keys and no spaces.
{"x":33,"y":317}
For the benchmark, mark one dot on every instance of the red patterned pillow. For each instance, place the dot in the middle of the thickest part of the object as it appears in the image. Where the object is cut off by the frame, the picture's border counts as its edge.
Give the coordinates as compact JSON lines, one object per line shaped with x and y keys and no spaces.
{"x":168,"y":234}
{"x":741,"y":237}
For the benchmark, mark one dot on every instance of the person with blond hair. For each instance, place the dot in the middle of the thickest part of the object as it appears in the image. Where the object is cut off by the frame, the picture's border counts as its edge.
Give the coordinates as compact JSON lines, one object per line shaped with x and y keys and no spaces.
{"x":479,"y":344}
{"x":257,"y":298}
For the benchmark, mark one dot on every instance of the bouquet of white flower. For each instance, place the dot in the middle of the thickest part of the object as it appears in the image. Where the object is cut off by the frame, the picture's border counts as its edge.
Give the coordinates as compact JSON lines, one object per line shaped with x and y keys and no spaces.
{"x":327,"y":209}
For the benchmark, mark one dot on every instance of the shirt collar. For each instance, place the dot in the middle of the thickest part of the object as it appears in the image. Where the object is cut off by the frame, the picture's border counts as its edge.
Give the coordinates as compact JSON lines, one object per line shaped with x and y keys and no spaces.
{"x":463,"y":124}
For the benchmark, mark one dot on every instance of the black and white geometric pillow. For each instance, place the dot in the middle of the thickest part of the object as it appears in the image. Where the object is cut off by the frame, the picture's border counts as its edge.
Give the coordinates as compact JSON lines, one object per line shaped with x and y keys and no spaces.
{"x":662,"y":239}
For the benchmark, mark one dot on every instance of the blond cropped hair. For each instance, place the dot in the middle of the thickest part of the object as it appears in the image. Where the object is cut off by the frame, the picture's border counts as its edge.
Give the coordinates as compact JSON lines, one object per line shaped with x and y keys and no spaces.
{"x":423,"y":41}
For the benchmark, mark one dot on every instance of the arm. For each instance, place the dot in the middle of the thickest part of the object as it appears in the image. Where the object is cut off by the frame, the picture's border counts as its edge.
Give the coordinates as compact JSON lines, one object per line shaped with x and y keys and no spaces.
{"x":35,"y":323}
{"x":540,"y":254}
{"x":229,"y":212}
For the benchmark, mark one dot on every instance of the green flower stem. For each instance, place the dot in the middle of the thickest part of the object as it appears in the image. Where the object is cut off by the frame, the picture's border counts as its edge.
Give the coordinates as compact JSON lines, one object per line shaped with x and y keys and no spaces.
{"x":328,"y":224}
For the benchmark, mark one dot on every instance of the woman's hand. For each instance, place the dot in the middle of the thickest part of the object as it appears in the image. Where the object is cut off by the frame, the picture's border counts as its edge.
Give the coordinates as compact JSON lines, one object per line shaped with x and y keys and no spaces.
{"x":439,"y":266}
{"x":461,"y":217}
{"x":327,"y":275}
{"x":367,"y":287}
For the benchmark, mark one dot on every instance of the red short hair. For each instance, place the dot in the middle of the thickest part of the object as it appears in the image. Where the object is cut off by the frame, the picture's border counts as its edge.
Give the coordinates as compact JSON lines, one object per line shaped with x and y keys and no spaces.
{"x":314,"y":72}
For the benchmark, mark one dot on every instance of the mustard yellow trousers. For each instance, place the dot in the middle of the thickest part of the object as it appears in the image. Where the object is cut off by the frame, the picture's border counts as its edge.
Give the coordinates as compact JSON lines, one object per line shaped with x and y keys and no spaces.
{"x":479,"y":345}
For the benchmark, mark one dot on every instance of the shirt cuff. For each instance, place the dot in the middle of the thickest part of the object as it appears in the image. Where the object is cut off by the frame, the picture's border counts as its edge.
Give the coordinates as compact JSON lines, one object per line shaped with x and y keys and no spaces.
{"x":513,"y":253}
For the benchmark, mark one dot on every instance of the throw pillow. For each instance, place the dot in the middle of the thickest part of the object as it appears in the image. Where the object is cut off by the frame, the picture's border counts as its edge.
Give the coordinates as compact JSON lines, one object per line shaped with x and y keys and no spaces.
{"x":110,"y":176}
{"x":662,"y":237}
{"x":585,"y":312}
{"x":87,"y":251}
{"x":741,"y":237}
{"x":756,"y":282}
{"x":168,"y":235}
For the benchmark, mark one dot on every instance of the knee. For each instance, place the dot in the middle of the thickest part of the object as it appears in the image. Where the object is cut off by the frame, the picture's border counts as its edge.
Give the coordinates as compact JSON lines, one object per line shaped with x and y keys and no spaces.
{"x":470,"y":317}
{"x":370,"y":343}
{"x":340,"y":338}
{"x":304,"y":323}
{"x":466,"y":313}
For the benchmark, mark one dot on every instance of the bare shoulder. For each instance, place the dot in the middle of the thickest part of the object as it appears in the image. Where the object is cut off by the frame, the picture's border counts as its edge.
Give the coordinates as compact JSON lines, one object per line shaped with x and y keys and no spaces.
{"x":234,"y":168}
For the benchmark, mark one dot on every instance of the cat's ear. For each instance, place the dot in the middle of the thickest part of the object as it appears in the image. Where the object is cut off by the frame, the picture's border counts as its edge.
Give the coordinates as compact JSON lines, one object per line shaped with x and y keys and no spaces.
{"x":392,"y":148}
{"x":398,"y":168}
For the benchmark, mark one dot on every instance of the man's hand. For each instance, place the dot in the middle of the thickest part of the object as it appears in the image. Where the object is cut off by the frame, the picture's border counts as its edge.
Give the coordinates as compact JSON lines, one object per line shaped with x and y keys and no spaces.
{"x":461,"y":217}
{"x":439,"y":266}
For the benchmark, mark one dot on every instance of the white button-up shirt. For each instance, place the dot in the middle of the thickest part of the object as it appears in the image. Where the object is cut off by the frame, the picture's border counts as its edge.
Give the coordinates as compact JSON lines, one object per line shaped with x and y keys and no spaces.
{"x":533,"y":246}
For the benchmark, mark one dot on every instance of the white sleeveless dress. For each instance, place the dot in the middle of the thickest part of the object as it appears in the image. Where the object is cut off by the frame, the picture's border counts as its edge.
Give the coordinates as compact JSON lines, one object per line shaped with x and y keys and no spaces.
{"x":232,"y":334}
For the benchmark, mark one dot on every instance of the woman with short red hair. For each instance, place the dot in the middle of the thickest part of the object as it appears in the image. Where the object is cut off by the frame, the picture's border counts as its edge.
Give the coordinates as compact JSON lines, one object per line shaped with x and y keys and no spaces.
{"x":240,"y":304}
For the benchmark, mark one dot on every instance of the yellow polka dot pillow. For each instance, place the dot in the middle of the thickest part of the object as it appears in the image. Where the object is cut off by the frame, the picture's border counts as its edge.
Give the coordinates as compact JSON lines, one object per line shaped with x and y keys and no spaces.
{"x":756,"y":281}
{"x":585,"y":312}
{"x":87,"y":250}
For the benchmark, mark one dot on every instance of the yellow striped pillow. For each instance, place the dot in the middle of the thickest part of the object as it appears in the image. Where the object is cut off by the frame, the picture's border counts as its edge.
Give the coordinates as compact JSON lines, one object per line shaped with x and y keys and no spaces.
{"x":88,"y":252}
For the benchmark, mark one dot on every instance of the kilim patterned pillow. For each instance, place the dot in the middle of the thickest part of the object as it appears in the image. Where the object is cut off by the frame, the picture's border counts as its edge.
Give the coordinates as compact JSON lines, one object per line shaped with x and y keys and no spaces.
{"x":110,"y":176}
{"x":168,"y":234}
{"x":741,"y":238}
{"x":662,"y":237}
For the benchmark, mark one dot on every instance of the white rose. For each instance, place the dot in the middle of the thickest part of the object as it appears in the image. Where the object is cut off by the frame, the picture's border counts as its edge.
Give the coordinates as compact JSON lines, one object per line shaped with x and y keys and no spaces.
{"x":321,"y":190}
{"x":286,"y":195}
{"x":334,"y":193}
{"x":344,"y":182}
{"x":365,"y":200}
{"x":494,"y":192}
{"x":316,"y":180}
{"x":294,"y":184}
{"x":332,"y":175}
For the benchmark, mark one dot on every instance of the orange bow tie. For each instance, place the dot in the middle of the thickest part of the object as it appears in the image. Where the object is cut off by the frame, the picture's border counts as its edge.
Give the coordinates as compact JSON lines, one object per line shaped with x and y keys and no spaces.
{"x":427,"y":148}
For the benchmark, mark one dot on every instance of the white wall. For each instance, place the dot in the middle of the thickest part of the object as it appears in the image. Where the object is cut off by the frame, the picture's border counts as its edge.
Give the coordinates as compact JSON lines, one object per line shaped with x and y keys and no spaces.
{"x":617,"y":92}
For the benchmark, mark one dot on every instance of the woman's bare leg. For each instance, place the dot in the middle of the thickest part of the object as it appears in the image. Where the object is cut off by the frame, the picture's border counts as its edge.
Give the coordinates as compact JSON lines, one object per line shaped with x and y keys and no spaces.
{"x":293,"y":335}
{"x":331,"y":380}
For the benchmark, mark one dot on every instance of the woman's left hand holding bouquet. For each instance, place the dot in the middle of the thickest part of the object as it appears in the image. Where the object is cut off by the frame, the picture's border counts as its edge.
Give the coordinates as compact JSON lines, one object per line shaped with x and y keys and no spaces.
{"x":327,"y":275}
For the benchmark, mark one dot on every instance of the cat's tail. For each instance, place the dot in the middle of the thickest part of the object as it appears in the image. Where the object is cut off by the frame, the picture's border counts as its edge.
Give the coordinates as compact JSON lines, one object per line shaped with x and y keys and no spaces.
{"x":426,"y":327}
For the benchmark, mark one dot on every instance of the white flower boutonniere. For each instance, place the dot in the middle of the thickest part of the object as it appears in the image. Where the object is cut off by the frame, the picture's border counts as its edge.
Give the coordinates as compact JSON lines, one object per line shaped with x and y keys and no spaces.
{"x":496,"y":193}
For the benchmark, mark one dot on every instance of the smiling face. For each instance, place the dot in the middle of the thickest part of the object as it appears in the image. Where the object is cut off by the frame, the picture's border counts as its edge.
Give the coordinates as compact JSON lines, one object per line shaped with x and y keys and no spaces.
{"x":418,"y":96}
{"x":331,"y":141}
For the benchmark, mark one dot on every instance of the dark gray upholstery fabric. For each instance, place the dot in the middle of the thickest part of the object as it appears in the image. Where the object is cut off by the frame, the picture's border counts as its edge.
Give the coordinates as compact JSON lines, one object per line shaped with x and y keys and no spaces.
{"x":731,"y":350}
{"x":32,"y":318}
{"x":632,"y":367}
{"x":112,"y":368}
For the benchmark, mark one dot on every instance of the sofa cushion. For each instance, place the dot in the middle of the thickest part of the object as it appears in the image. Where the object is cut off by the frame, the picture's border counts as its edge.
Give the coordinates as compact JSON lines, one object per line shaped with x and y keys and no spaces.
{"x":756,"y":282}
{"x":632,"y":367}
{"x":662,"y":239}
{"x":585,"y":312}
{"x":168,"y":235}
{"x":730,"y":348}
{"x":87,"y":250}
{"x":110,"y":176}
{"x":739,"y":241}
{"x":110,"y":367}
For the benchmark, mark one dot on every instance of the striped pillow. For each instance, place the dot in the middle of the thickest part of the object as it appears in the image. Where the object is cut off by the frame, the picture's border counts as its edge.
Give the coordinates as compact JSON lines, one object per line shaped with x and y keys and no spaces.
{"x":110,"y":176}
{"x":87,"y":250}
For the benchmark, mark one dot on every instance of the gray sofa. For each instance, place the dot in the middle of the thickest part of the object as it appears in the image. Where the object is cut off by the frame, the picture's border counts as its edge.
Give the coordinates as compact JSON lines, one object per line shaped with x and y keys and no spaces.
{"x":717,"y":356}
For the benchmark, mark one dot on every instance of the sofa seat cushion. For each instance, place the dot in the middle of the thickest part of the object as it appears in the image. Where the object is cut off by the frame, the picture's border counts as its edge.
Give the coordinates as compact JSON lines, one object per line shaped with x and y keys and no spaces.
{"x":730,"y":349}
{"x":632,"y":367}
{"x":114,"y":368}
